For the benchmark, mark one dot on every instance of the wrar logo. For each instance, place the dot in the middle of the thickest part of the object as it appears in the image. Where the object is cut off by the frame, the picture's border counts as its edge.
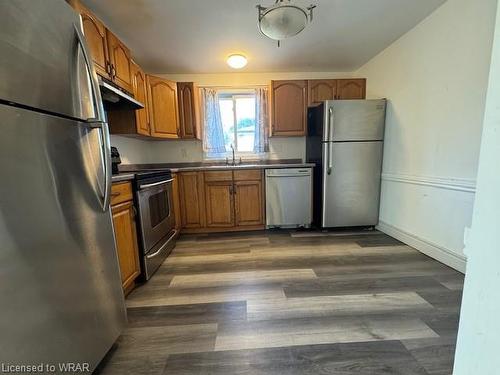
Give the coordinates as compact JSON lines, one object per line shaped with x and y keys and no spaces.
{"x":74,"y":367}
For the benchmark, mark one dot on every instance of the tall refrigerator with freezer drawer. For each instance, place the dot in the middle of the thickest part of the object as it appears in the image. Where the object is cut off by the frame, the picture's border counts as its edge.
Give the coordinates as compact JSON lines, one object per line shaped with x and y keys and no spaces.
{"x":345,"y":140}
{"x":60,"y":292}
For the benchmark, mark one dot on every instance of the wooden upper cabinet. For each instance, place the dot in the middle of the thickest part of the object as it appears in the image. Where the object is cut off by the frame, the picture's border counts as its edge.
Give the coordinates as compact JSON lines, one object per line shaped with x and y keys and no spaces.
{"x":95,"y":35}
{"x":141,"y":94}
{"x":320,"y":90}
{"x":163,"y":107}
{"x":189,"y":114}
{"x":119,"y":58}
{"x":289,"y":108}
{"x":351,"y":88}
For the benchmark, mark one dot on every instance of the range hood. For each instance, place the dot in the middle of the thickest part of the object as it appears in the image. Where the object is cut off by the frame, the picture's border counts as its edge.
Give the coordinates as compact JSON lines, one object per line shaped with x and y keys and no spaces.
{"x":115,"y":98}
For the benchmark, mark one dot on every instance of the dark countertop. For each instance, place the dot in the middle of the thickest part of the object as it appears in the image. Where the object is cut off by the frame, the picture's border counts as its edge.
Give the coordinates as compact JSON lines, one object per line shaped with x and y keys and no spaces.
{"x":126,"y":169}
{"x":125,"y":176}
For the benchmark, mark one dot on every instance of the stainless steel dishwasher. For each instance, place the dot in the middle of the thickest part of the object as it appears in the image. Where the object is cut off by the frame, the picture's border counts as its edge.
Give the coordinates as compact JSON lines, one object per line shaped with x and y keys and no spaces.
{"x":289,"y":197}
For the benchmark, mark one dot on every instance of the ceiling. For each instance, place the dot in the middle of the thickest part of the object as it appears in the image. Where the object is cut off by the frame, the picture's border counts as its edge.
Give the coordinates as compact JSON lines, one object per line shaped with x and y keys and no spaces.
{"x":196,"y":36}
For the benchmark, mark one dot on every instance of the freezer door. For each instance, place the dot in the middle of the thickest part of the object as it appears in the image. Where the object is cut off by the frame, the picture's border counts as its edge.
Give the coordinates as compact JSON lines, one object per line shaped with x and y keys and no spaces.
{"x":42,"y":61}
{"x":351,"y":187}
{"x":355,"y":120}
{"x":61,"y":289}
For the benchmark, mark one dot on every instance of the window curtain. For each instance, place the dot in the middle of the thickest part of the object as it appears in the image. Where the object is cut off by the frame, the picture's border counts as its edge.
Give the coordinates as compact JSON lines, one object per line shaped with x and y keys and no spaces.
{"x":261,"y":141}
{"x":213,"y":140}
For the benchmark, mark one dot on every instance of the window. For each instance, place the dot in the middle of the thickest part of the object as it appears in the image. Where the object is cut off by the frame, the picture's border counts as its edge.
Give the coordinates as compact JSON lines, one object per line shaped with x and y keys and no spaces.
{"x":235,"y":118}
{"x":238,"y":121}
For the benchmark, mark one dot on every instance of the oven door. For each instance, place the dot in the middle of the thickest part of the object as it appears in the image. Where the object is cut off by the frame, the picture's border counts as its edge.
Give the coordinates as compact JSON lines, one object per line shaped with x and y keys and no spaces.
{"x":155,"y":212}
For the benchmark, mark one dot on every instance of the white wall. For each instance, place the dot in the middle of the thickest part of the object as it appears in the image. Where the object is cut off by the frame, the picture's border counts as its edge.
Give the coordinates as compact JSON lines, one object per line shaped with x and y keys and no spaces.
{"x":136,"y":151}
{"x":435,"y":80}
{"x":477,"y":347}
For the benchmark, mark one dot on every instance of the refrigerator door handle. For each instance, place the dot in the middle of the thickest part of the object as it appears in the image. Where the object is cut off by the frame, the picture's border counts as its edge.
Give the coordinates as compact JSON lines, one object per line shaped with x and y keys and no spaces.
{"x":98,"y":122}
{"x":330,"y":124}
{"x":96,"y":93}
{"x":330,"y":145}
{"x":330,"y":158}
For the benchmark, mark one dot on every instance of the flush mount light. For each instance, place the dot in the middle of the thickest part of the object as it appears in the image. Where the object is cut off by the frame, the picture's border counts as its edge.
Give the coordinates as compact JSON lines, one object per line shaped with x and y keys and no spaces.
{"x":283,"y":19}
{"x":237,"y":61}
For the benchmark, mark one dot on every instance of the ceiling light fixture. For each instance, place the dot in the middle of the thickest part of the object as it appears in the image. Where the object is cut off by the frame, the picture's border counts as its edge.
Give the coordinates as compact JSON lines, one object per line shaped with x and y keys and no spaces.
{"x":283,"y":19}
{"x":237,"y":61}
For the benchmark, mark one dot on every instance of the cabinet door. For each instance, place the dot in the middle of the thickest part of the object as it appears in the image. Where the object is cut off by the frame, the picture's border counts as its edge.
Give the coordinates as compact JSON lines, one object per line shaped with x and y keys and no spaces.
{"x":289,"y":108}
{"x":163,"y":110}
{"x":192,"y":199}
{"x":188,"y":110}
{"x":219,"y":204}
{"x":126,"y":243}
{"x":320,"y":90}
{"x":351,"y":88}
{"x":119,"y":57}
{"x":177,"y":202}
{"x":95,"y":35}
{"x":249,"y":203}
{"x":141,"y":94}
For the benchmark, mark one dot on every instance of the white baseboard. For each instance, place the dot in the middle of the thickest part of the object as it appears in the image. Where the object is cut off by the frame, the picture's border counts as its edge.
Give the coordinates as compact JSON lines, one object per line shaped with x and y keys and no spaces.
{"x":435,"y":251}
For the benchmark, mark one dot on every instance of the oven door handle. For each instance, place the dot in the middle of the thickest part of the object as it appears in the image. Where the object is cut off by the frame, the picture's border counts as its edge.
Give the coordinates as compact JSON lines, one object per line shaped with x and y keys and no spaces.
{"x":149,"y":256}
{"x":155,"y":184}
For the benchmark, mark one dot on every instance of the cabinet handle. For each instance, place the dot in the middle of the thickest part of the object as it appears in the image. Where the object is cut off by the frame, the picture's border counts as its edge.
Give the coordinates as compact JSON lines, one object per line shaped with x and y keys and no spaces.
{"x":113,"y":71}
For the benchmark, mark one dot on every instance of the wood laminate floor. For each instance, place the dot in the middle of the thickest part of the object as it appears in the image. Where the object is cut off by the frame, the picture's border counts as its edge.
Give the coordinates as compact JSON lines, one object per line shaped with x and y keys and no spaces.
{"x":292,"y":303}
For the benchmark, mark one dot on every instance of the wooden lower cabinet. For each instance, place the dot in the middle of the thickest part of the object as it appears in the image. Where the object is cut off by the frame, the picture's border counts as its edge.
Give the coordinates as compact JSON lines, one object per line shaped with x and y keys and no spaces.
{"x":177,"y":202}
{"x":192,"y":200}
{"x":126,"y":242}
{"x":228,"y":201}
{"x":219,"y":204}
{"x":249,"y":203}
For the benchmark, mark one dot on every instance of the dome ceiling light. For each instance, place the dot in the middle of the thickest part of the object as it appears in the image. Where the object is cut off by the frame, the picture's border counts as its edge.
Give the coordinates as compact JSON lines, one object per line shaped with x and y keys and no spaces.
{"x":236,"y":61}
{"x":283,"y":19}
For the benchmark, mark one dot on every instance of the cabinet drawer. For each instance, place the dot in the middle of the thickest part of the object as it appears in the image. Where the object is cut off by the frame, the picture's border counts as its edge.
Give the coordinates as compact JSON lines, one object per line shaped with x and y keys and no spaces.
{"x":121,"y":192}
{"x":248,"y":175}
{"x":219,"y":176}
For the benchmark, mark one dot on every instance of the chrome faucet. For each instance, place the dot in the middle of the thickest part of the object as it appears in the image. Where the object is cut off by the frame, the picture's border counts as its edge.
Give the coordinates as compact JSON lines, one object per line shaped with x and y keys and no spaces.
{"x":234,"y":160}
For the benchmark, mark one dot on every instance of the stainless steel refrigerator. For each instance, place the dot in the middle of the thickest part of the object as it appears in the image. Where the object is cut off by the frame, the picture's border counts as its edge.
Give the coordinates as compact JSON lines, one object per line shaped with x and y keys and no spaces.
{"x":345,"y":140}
{"x":60,"y":289}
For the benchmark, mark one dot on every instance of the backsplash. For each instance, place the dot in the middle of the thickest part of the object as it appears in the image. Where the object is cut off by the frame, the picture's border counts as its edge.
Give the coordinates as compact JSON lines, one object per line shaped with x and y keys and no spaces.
{"x":139,"y":151}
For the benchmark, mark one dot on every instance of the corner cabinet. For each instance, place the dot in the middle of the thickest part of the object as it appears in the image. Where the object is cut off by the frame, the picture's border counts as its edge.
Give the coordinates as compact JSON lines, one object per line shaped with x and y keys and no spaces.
{"x":163,"y":107}
{"x":123,"y":212}
{"x":289,"y":108}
